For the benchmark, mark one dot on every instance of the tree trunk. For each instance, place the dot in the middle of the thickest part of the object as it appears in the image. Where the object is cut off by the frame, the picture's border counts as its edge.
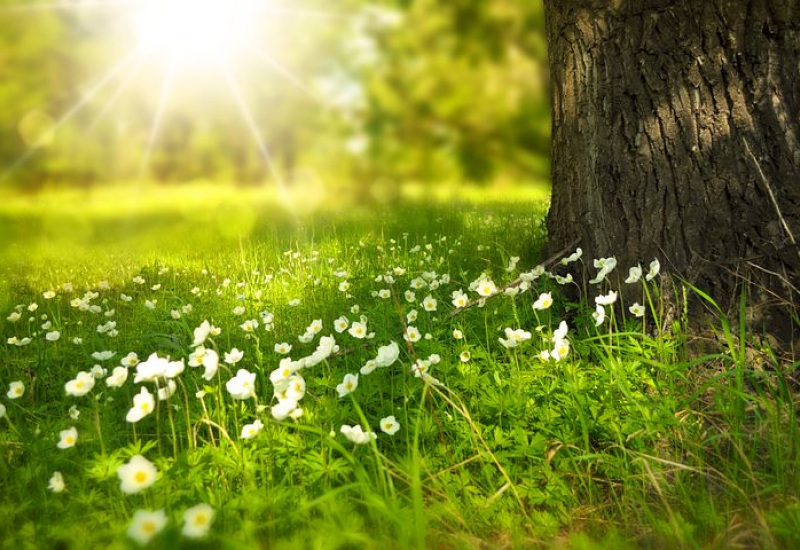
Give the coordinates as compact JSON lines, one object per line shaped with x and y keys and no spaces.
{"x":676,"y":128}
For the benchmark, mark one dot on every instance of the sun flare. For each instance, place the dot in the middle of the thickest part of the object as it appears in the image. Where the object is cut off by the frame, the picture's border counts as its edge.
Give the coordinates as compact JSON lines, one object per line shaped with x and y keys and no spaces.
{"x":195,"y":32}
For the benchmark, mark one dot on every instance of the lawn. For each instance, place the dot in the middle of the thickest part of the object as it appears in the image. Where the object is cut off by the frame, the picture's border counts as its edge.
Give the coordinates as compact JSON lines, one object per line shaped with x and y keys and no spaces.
{"x":214,"y":368}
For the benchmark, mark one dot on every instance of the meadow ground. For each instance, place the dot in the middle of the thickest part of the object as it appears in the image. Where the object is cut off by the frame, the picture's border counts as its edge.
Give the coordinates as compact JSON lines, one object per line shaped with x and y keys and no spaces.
{"x":149,"y":396}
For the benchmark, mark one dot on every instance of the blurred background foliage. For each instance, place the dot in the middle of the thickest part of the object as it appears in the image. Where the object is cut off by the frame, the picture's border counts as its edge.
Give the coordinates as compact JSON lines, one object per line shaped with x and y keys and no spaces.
{"x":422,"y":91}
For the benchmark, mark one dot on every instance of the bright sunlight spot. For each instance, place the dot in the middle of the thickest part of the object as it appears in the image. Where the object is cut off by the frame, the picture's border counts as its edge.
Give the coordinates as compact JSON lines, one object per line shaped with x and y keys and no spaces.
{"x":194,"y":32}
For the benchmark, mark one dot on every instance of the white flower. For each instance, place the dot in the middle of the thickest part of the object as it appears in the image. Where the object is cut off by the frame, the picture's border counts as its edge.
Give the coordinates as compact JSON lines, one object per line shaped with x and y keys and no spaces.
{"x":606,"y":266}
{"x":68,"y":438}
{"x":283,"y":348}
{"x":98,"y":371}
{"x":249,"y":325}
{"x":340,"y":325}
{"x":175,"y":314}
{"x":387,"y":355}
{"x":384,"y":293}
{"x":197,"y":520}
{"x":634,"y":274}
{"x":368,"y":367}
{"x":167,"y":391}
{"x":14,"y":317}
{"x":560,"y":350}
{"x":511,"y":291}
{"x":284,"y":409}
{"x":564,"y":280}
{"x":458,"y":335}
{"x":201,"y":333}
{"x":80,"y":385}
{"x":358,"y":330}
{"x":103,"y":355}
{"x":637,"y":309}
{"x":314,"y":327}
{"x":130,"y":360}
{"x":285,"y":370}
{"x":56,"y":483}
{"x":561,"y":332}
{"x":146,"y":524}
{"x":574,"y":257}
{"x":459,"y":299}
{"x":150,"y":304}
{"x":294,"y":302}
{"x":143,"y":404}
{"x":243,"y":385}
{"x":348,"y":385}
{"x":410,"y":296}
{"x":249,"y":431}
{"x":389,"y":425}
{"x":15,"y":390}
{"x":544,"y":301}
{"x":606,"y":300}
{"x":357,"y":435}
{"x":238,"y":310}
{"x":234,"y":356}
{"x":655,"y":267}
{"x":344,"y":286}
{"x":293,"y":387}
{"x":429,"y":303}
{"x":465,"y":356}
{"x":74,"y":413}
{"x":418,"y":283}
{"x":599,"y":315}
{"x":137,"y":475}
{"x":154,"y":367}
{"x":486,"y":288}
{"x":412,"y":334}
{"x":118,"y":377}
{"x":514,"y":337}
{"x":420,"y":368}
{"x":208,"y":358}
{"x":53,"y":336}
{"x":305,"y":338}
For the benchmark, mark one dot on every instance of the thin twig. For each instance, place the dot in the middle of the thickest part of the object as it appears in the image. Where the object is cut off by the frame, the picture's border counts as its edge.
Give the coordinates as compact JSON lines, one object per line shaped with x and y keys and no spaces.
{"x":771,"y":196}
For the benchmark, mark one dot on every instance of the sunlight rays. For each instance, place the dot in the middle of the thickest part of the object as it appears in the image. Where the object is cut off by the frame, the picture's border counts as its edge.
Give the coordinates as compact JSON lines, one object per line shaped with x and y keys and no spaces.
{"x":121,"y":89}
{"x":244,"y":110}
{"x":285,"y":73}
{"x":163,"y":99}
{"x":109,"y":77}
{"x":168,"y":39}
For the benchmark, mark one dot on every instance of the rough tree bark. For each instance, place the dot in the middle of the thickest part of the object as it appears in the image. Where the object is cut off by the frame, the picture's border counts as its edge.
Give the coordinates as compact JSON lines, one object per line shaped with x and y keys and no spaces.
{"x":676,"y":135}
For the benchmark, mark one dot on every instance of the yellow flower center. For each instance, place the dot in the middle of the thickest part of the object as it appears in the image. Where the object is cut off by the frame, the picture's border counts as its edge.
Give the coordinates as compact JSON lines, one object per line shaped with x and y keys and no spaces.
{"x":140,"y":476}
{"x":69,"y":440}
{"x":149,"y":527}
{"x":200,"y":519}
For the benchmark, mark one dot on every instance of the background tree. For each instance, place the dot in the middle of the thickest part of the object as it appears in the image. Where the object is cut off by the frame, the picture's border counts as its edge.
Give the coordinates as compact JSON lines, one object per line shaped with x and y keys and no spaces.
{"x":675,"y":135}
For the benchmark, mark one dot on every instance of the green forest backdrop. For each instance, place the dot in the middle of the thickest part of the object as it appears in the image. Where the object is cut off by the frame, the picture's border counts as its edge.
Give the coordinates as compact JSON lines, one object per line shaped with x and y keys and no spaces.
{"x":423,"y":91}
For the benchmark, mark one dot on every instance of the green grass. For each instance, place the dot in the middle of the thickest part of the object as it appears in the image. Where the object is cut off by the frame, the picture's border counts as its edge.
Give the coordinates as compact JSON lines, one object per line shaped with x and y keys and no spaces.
{"x":635,"y":439}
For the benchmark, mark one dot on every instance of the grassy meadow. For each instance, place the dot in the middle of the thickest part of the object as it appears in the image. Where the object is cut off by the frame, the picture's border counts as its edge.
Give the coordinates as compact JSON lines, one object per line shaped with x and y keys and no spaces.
{"x":228,"y":369}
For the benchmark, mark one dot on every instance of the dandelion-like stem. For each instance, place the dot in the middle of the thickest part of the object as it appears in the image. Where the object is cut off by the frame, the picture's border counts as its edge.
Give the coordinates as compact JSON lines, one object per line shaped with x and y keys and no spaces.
{"x":168,"y":404}
{"x":98,"y":427}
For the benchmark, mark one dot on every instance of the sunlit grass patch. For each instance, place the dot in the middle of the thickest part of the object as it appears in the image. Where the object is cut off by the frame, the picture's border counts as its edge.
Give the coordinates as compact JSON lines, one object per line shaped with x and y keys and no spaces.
{"x":402,"y":377}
